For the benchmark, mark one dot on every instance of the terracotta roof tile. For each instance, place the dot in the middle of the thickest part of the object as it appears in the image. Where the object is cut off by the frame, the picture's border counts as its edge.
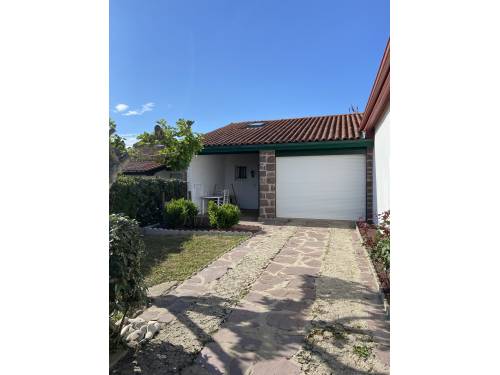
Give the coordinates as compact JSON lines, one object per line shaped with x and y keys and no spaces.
{"x":142,"y":166}
{"x":305,"y":129}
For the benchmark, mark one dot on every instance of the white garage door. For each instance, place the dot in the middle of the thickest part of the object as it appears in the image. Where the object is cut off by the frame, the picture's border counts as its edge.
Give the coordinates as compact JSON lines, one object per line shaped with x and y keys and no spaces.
{"x":321,"y":187}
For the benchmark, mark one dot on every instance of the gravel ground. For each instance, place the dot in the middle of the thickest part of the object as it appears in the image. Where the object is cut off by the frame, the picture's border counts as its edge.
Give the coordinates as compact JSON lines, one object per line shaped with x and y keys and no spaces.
{"x":340,"y":339}
{"x":197,"y":315}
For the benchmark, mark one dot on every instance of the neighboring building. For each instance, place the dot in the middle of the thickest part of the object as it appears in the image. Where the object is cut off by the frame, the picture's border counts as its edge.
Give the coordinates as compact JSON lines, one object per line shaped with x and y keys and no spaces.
{"x":311,"y":167}
{"x":376,"y":124}
{"x":151,"y":169}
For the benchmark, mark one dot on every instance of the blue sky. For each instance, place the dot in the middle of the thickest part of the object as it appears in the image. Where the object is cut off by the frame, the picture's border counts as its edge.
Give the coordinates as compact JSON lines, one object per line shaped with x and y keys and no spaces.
{"x":221,"y":61}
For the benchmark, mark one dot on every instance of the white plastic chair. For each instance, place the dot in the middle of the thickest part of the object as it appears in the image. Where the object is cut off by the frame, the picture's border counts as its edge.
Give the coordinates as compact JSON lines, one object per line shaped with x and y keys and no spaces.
{"x":225,"y":196}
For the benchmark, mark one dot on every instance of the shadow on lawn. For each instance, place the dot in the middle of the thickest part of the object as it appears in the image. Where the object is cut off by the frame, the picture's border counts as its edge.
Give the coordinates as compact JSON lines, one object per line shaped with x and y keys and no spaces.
{"x":177,"y":257}
{"x":256,"y":333}
{"x":158,"y":250}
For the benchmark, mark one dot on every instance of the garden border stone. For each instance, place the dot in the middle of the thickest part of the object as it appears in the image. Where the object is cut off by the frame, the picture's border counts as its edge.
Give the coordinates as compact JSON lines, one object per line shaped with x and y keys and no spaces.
{"x":380,"y":292}
{"x":175,"y":232}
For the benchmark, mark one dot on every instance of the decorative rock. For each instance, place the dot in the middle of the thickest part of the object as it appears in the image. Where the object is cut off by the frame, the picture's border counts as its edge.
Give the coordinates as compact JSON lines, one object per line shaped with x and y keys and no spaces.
{"x":132,"y":336}
{"x":135,"y":336}
{"x":119,"y":321}
{"x":126,"y":330}
{"x":152,"y":328}
{"x":137,"y":322}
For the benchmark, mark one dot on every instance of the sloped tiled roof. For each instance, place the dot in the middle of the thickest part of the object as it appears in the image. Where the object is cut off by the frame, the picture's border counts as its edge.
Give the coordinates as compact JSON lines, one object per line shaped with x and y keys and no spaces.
{"x":305,"y":129}
{"x":142,"y":167}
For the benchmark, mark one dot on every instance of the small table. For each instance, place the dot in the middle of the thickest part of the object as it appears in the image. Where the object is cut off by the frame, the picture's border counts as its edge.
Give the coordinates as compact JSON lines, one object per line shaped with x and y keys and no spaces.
{"x":217,"y":198}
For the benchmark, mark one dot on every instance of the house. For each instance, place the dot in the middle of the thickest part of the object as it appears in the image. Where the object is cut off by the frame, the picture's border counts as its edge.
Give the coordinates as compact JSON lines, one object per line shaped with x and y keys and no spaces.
{"x":321,"y":167}
{"x":376,"y":124}
{"x":312,"y":167}
{"x":151,"y":169}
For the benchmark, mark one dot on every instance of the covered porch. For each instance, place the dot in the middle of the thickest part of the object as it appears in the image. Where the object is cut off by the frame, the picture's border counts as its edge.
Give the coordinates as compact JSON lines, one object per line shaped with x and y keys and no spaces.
{"x":233,"y":177}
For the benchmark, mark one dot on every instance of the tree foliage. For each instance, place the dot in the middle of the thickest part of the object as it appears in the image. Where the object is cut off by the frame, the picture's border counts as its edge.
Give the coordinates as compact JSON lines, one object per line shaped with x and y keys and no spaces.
{"x":118,"y":155}
{"x":176,"y":144}
{"x":115,"y":141}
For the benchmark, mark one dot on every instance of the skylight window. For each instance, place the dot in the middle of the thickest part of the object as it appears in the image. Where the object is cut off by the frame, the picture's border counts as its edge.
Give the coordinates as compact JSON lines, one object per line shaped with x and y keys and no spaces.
{"x":254,"y":125}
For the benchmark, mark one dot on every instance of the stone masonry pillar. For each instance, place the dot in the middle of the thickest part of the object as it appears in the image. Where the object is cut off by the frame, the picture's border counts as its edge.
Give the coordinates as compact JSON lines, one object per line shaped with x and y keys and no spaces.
{"x":267,"y":184}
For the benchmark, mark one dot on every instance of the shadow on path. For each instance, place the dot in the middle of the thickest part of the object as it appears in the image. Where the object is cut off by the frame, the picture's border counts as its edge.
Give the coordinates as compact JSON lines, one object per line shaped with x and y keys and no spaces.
{"x":270,"y":329}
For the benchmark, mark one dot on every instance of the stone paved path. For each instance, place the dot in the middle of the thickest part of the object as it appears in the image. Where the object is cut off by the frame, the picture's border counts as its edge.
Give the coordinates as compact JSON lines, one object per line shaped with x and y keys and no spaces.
{"x":295,"y":299}
{"x":192,"y":312}
{"x":268,"y":325}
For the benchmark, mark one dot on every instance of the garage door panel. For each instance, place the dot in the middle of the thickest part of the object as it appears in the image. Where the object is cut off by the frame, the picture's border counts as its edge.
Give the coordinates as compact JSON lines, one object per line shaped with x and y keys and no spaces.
{"x":321,"y":187}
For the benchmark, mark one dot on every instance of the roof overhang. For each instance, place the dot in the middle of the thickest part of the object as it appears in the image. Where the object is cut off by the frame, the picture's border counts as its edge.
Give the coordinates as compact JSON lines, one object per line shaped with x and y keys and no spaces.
{"x":146,"y":171}
{"x":236,"y":149}
{"x":380,"y":95}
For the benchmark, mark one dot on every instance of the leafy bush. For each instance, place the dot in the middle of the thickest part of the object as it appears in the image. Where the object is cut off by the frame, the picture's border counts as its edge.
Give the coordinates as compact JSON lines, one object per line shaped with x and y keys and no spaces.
{"x":224,"y":216}
{"x":382,"y":252}
{"x":380,"y":243}
{"x":126,"y":282}
{"x":126,"y":249}
{"x":180,"y":213}
{"x":142,"y":198}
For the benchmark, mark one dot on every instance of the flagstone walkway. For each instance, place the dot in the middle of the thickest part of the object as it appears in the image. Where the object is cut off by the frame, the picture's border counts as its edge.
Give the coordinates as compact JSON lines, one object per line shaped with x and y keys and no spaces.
{"x":297,"y":298}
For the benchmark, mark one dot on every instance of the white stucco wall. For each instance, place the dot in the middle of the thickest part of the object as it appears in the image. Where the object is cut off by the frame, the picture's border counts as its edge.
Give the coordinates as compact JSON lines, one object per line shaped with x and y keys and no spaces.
{"x":247,"y":190}
{"x":381,"y":180}
{"x":207,"y":172}
{"x":203,"y":174}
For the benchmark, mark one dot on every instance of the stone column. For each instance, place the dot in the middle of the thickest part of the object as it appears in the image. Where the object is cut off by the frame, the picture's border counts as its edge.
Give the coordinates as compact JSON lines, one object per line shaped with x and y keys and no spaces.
{"x":267,"y":184}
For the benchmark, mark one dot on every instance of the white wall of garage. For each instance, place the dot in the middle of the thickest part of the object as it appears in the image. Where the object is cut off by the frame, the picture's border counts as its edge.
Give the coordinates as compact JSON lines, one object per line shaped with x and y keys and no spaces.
{"x":321,"y":187}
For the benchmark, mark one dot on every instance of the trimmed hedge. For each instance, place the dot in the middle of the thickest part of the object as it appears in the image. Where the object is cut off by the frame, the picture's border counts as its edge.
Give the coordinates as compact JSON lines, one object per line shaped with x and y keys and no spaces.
{"x":224,"y":216}
{"x":180,"y":213}
{"x":143,"y":199}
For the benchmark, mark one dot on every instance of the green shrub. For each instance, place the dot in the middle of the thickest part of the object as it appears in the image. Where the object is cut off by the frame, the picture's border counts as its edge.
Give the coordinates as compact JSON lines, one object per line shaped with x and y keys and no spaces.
{"x":126,"y":282}
{"x":180,"y":213}
{"x":382,"y":252}
{"x":126,"y":249}
{"x":380,"y":243}
{"x":142,"y":198}
{"x":224,"y":216}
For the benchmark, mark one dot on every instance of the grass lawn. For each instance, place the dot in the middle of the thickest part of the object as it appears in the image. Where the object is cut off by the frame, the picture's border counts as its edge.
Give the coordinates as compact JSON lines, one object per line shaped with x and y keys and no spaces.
{"x":170,"y":258}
